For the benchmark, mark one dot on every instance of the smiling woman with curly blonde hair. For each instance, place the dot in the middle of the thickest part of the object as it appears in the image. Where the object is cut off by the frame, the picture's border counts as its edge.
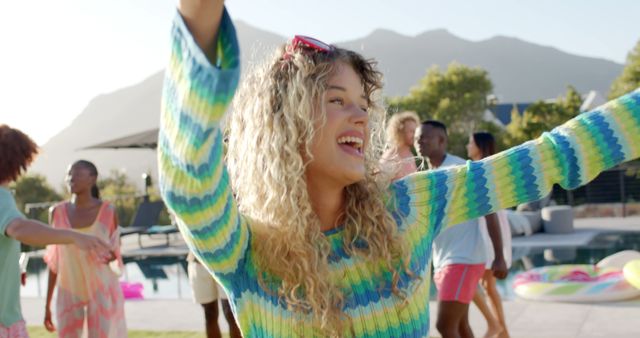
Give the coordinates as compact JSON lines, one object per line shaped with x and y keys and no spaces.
{"x":280,"y":130}
{"x":305,"y":231}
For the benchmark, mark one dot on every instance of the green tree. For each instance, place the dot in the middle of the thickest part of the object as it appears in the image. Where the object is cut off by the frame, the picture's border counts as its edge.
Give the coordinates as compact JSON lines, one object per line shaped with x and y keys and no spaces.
{"x":542,"y":116}
{"x":119,"y":190}
{"x":116,"y":184}
{"x":456,"y":97}
{"x":571,"y":103}
{"x":630,"y":78}
{"x":33,"y":188}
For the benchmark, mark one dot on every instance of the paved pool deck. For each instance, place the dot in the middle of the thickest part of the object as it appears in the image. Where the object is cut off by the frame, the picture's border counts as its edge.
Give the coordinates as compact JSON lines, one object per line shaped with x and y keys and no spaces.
{"x":525,"y":319}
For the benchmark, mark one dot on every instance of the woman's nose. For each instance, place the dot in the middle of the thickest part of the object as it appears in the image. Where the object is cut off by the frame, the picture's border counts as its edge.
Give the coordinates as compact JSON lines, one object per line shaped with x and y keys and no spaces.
{"x":359,"y":115}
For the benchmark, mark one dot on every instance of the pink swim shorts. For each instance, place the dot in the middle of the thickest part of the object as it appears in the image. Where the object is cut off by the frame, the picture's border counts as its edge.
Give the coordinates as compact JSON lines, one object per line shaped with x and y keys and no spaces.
{"x":458,"y":282}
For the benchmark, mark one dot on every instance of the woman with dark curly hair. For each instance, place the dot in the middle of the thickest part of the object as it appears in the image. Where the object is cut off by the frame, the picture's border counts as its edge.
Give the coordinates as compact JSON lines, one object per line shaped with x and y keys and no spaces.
{"x":17,"y":151}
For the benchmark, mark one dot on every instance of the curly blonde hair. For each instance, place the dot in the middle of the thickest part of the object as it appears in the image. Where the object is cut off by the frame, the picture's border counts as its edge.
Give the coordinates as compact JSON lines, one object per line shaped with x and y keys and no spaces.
{"x":396,"y":125}
{"x":269,"y":140}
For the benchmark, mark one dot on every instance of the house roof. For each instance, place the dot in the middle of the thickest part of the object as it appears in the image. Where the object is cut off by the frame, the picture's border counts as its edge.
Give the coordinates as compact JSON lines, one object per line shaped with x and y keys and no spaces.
{"x":502,"y":111}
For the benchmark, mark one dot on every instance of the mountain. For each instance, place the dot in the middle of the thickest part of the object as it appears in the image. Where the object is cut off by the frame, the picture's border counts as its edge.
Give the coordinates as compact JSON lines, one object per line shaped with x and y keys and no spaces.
{"x":520,"y":71}
{"x":124,"y":112}
{"x":106,"y":117}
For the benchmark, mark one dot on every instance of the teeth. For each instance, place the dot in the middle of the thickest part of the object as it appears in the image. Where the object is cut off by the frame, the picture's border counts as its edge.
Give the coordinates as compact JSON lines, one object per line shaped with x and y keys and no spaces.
{"x":351,"y":139}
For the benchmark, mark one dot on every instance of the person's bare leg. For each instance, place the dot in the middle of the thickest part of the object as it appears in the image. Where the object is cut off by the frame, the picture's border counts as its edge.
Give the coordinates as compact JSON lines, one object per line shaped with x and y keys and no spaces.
{"x":489,"y":283}
{"x":211,"y":319}
{"x":464,"y":328}
{"x":450,"y":315}
{"x":493,"y":325}
{"x":234,"y":330}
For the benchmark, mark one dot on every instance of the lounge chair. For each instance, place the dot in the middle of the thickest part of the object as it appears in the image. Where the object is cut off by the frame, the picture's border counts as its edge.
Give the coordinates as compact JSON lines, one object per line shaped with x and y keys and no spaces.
{"x":159,"y":230}
{"x":145,"y":222}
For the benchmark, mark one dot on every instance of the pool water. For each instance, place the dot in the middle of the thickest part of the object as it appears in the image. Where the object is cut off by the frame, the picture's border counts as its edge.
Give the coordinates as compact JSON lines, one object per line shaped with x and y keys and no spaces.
{"x":161,"y":277}
{"x":166,"y":277}
{"x":601,"y":246}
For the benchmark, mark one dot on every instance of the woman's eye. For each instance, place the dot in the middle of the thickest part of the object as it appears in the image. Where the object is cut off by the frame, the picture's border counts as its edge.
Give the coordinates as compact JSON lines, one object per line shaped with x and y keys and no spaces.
{"x":337,"y":101}
{"x":365,"y":109}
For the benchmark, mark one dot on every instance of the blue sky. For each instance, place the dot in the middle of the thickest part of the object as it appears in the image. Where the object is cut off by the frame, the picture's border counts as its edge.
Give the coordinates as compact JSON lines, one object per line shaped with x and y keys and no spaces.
{"x":58,"y":55}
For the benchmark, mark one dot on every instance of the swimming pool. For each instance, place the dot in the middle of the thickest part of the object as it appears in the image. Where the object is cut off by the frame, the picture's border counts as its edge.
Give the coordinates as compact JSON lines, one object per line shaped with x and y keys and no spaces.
{"x":166,"y":277}
{"x":599,"y":247}
{"x":162,"y":277}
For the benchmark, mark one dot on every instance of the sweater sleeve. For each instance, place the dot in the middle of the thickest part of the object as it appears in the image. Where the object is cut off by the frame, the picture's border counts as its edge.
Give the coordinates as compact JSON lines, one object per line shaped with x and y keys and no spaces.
{"x":570,"y":155}
{"x":194,"y":182}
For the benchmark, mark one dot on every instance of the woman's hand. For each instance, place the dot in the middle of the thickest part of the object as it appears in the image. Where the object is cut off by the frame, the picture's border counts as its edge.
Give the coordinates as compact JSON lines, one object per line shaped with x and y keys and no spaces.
{"x":48,"y":323}
{"x":203,"y":19}
{"x":112,"y":256}
{"x":94,"y":245}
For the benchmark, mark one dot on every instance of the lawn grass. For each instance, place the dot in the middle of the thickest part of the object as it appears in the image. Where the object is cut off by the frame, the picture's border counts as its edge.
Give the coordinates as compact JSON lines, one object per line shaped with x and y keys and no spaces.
{"x":40,"y":332}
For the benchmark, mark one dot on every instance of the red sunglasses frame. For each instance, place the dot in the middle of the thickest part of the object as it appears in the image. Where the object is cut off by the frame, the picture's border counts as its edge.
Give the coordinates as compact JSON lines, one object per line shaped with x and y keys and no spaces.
{"x":308,"y":42}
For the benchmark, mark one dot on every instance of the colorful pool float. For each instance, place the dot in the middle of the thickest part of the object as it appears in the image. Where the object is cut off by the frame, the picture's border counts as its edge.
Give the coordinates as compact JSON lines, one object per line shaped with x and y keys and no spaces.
{"x":618,"y":259}
{"x":132,"y":290}
{"x":631,"y":272}
{"x":574,"y":283}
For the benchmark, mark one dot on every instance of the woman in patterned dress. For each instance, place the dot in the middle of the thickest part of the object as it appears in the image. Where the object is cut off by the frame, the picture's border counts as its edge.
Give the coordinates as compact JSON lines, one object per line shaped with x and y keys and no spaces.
{"x":88,"y":290}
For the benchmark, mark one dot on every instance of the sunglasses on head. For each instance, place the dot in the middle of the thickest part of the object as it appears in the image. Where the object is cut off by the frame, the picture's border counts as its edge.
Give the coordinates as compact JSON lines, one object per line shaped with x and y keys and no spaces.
{"x":306,"y":43}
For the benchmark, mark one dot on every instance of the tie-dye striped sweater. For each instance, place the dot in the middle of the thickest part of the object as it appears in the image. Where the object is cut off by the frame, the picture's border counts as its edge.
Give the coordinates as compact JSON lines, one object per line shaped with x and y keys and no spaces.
{"x":195,"y":186}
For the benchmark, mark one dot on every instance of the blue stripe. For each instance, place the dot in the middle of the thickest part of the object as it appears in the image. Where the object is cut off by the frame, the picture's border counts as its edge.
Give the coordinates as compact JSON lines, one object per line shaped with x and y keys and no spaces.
{"x":568,"y":159}
{"x":529,"y":179}
{"x":203,"y":170}
{"x":611,"y":149}
{"x":438,"y":202}
{"x":480,"y":194}
{"x":400,"y":207}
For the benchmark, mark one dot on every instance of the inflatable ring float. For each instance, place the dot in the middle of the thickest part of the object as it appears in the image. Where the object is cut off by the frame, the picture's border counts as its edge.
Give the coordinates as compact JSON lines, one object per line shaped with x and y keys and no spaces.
{"x":619,"y":259}
{"x":575,"y":283}
{"x":631,"y":272}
